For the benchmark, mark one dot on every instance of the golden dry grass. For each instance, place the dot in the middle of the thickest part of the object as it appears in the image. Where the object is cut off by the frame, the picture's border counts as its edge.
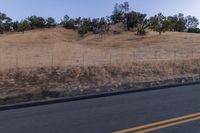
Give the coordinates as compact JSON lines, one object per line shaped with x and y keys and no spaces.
{"x":41,"y":83}
{"x":112,"y":60}
{"x":61,"y":47}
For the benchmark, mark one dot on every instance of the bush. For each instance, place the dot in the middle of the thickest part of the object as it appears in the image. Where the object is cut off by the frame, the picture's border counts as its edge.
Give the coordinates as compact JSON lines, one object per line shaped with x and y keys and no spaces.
{"x":141,"y":31}
{"x":50,"y":22}
{"x":37,"y":22}
{"x":82,"y":30}
{"x":69,"y":24}
{"x":2,"y":29}
{"x":194,"y":30}
{"x":23,"y":26}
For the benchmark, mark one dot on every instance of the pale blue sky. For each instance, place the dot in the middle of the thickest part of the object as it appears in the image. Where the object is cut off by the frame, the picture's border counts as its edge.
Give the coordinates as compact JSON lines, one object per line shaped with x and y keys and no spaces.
{"x":20,"y":9}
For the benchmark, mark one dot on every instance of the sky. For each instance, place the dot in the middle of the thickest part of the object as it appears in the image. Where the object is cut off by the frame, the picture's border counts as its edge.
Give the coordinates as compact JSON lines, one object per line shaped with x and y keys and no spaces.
{"x":20,"y":9}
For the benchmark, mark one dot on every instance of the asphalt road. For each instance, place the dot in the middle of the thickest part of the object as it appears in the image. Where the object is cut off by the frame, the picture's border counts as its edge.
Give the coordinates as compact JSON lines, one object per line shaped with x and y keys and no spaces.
{"x":173,"y":110}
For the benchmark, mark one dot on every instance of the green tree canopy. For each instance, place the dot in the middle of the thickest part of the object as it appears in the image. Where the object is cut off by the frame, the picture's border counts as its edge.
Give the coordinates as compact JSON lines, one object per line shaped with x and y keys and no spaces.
{"x":23,"y":26}
{"x":191,"y":22}
{"x":119,"y":12}
{"x":158,"y":23}
{"x":36,"y":22}
{"x":50,"y":22}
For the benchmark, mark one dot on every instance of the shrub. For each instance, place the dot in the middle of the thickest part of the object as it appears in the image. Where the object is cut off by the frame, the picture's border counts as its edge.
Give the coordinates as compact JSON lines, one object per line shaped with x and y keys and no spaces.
{"x":50,"y":22}
{"x":37,"y":22}
{"x":82,"y":30}
{"x":23,"y":26}
{"x":194,"y":30}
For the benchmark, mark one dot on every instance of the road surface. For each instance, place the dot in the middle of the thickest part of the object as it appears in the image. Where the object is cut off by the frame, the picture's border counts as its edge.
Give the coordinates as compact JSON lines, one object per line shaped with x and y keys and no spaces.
{"x":173,"y":110}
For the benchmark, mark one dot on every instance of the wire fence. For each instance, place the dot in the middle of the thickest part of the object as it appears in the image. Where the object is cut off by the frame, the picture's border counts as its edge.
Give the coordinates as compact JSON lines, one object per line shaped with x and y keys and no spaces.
{"x":108,"y":67}
{"x":105,"y":57}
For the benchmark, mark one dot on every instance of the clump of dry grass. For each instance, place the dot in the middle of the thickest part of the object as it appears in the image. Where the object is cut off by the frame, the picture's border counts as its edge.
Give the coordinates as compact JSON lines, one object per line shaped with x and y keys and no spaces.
{"x":40,"y":83}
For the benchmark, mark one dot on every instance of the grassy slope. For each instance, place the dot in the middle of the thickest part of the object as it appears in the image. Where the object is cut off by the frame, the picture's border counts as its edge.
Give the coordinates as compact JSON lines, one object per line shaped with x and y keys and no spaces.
{"x":37,"y":48}
{"x":129,"y":58}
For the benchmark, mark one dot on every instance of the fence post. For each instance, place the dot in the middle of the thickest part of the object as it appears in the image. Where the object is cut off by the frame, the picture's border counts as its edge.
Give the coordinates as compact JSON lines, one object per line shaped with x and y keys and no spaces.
{"x":17,"y":63}
{"x":83,"y":56}
{"x":193,"y":63}
{"x":110,"y":57}
{"x":174,"y":62}
{"x":132,"y":60}
{"x":155,"y":55}
{"x":52,"y":61}
{"x":192,"y":54}
{"x":1,"y":64}
{"x":197,"y":63}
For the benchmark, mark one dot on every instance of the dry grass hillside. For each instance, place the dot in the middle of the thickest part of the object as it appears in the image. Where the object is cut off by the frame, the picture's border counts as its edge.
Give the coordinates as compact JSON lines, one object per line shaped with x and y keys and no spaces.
{"x":56,"y":62}
{"x":61,"y":47}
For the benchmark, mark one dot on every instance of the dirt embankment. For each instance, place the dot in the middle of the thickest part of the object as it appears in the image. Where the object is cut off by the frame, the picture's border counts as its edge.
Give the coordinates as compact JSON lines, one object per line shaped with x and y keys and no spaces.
{"x":44,"y":83}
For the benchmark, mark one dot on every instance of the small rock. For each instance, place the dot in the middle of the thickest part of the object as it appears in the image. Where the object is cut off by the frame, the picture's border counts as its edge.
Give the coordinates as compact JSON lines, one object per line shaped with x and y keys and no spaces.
{"x":116,"y":86}
{"x":130,"y":85}
{"x":98,"y":90}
